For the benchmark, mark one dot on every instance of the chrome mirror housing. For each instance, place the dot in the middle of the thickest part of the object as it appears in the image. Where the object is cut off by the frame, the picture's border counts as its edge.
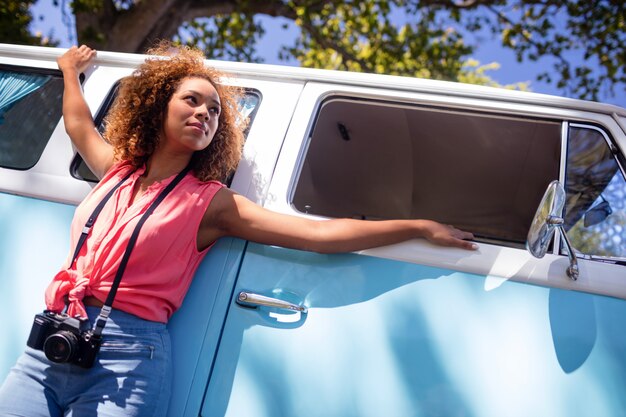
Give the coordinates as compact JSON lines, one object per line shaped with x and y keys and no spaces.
{"x":549,"y":216}
{"x":542,"y":229}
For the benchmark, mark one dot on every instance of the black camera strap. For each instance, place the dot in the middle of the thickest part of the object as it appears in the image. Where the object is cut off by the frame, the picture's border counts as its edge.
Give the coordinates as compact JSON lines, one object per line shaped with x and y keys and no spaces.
{"x":92,"y":219}
{"x":106,"y":308}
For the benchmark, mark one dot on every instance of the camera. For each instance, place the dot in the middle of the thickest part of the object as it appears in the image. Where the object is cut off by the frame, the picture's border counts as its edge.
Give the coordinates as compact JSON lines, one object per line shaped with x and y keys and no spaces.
{"x":64,"y":339}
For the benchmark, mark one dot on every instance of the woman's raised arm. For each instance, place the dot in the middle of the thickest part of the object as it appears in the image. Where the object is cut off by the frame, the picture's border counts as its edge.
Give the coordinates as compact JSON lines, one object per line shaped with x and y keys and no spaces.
{"x":233,"y":215}
{"x":79,"y":124}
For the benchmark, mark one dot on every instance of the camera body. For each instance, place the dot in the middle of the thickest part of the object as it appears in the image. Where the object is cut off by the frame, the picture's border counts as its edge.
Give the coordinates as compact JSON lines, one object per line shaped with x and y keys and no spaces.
{"x":64,"y":339}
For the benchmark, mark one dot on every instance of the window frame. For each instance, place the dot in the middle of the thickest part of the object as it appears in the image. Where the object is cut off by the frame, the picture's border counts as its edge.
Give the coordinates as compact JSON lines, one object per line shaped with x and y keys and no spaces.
{"x":557,"y":243}
{"x":410,"y":105}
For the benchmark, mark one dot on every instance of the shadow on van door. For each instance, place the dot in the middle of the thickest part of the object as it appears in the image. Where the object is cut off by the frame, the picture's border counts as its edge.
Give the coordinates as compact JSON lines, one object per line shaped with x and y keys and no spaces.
{"x":573,"y":325}
{"x":346,"y":357}
{"x":390,"y":338}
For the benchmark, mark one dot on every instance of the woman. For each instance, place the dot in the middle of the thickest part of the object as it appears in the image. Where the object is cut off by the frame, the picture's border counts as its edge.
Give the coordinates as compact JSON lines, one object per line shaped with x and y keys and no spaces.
{"x":170,"y":115}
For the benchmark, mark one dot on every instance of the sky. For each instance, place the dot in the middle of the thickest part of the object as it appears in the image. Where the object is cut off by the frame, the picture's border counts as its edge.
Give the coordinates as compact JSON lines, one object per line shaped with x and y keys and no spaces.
{"x":488,"y":51}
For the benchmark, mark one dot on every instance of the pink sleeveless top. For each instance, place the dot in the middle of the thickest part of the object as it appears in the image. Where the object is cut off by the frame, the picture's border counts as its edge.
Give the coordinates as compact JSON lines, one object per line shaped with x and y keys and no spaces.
{"x":163,"y":261}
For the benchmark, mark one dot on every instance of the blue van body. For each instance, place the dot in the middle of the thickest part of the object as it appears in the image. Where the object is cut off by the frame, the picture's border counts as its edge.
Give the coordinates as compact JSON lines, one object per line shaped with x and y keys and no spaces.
{"x":404,"y":330}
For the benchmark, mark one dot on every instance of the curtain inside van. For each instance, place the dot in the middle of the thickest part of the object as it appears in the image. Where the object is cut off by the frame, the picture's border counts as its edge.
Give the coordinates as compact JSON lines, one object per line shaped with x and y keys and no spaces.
{"x":14,"y":86}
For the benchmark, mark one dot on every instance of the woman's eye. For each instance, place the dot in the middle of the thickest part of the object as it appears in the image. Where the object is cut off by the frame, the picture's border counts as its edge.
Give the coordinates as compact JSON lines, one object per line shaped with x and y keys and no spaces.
{"x":214,"y":110}
{"x":192,"y":99}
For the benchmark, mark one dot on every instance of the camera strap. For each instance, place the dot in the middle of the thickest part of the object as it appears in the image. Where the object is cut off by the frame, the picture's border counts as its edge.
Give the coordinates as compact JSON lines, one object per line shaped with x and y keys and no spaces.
{"x":92,"y":219}
{"x":106,"y":308}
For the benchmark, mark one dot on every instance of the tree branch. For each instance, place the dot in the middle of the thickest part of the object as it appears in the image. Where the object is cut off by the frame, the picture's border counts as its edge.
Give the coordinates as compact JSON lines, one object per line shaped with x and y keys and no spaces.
{"x":346,"y":55}
{"x":526,"y":36}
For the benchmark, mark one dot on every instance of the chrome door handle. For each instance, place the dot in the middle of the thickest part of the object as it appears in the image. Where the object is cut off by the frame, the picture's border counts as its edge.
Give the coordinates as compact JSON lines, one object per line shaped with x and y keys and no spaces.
{"x":249,"y":299}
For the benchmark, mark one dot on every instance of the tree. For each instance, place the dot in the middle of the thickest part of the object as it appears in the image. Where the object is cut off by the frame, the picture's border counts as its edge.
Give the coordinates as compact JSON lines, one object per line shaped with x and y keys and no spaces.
{"x":426,"y":38}
{"x":15,"y":18}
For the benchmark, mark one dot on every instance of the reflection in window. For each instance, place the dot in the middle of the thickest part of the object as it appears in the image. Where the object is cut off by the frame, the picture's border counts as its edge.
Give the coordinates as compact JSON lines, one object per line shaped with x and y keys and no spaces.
{"x":595,"y":215}
{"x":30,"y":109}
{"x":15,"y":86}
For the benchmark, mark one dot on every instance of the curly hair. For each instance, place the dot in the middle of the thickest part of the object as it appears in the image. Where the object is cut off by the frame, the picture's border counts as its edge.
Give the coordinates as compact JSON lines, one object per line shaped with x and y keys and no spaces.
{"x":134,"y":123}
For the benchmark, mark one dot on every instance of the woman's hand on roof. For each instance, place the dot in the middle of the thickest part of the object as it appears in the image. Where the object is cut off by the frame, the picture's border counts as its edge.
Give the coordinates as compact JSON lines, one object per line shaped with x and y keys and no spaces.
{"x":76,"y":59}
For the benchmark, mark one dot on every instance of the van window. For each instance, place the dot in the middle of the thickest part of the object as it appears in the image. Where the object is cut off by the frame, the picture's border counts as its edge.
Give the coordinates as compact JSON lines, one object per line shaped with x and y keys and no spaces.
{"x":30,"y":109}
{"x":595,"y":216}
{"x":248,"y":107}
{"x":485,"y":173}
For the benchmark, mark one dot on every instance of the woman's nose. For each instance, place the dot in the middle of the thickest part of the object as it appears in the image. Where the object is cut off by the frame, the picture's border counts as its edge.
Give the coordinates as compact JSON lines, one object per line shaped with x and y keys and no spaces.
{"x":203,"y":114}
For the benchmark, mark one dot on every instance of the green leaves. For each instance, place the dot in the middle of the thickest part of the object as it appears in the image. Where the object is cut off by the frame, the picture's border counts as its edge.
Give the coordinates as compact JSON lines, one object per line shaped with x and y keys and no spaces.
{"x":229,"y":37}
{"x":421,"y":38}
{"x":88,"y":6}
{"x":15,"y":18}
{"x":365,"y":36}
{"x":557,"y":32}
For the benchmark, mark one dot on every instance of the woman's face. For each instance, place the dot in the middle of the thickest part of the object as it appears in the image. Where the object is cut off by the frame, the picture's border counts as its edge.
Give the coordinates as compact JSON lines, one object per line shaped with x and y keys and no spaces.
{"x":192,"y":116}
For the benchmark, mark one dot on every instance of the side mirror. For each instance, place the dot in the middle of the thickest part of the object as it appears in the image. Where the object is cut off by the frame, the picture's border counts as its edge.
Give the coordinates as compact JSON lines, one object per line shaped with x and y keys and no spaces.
{"x":543,"y":225}
{"x":549,"y":216}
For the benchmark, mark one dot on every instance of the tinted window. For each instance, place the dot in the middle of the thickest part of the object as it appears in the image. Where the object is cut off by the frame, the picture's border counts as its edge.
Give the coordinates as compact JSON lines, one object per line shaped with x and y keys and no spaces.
{"x":595,"y":213}
{"x":30,"y":109}
{"x":481,"y":172}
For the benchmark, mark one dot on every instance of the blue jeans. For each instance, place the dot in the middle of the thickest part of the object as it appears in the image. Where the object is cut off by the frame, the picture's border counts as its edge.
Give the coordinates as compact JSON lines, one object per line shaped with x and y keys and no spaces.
{"x":131,"y":376}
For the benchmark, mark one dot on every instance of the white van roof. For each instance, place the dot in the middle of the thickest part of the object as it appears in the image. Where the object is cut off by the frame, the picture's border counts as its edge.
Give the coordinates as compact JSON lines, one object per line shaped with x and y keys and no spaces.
{"x":298,"y":74}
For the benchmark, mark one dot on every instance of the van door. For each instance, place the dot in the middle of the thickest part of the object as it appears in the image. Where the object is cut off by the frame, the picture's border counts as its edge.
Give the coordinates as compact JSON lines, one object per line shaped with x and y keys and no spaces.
{"x":413,"y":329}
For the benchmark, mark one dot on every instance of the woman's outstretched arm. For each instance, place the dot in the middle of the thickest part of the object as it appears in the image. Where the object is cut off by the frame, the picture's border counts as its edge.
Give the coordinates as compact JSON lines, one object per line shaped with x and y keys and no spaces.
{"x":79,"y":124}
{"x":233,"y":215}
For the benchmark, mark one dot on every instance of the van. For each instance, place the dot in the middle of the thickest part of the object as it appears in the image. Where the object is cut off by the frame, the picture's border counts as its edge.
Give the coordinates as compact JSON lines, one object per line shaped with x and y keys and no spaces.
{"x":530,"y":324}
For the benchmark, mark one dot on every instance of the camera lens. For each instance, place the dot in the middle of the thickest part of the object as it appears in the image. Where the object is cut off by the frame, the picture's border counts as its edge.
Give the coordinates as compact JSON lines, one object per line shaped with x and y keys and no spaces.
{"x":61,"y":346}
